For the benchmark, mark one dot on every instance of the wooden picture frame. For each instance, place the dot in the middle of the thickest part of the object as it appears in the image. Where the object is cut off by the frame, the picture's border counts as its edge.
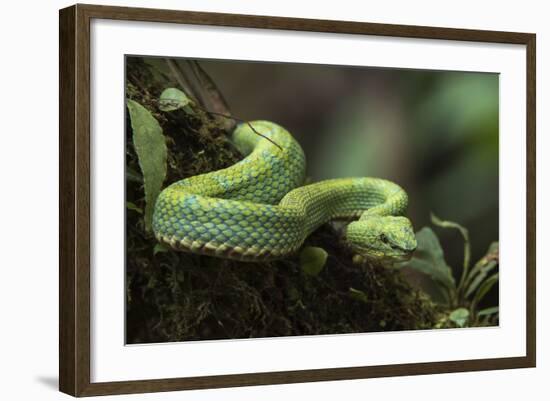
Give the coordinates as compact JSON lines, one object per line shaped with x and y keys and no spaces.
{"x":74,"y":204}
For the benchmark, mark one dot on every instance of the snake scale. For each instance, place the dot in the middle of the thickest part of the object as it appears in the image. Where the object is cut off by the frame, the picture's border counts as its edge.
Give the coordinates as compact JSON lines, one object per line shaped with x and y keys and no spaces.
{"x":257,"y":210}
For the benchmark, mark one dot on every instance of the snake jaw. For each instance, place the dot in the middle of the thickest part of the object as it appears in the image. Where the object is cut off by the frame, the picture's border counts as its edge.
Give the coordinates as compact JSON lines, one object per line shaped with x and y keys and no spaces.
{"x":377,"y":255}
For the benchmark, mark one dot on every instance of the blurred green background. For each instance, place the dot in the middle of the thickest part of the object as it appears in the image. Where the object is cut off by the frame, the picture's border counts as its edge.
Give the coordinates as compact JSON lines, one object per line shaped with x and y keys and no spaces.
{"x":433,"y":132}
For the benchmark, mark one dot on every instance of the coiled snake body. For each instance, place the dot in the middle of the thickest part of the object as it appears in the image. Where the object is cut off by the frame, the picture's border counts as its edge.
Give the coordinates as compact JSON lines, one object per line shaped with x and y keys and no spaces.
{"x":256,"y":209}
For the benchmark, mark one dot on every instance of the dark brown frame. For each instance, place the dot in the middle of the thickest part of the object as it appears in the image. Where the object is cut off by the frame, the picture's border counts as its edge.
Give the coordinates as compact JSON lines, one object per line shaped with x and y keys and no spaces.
{"x":74,"y":199}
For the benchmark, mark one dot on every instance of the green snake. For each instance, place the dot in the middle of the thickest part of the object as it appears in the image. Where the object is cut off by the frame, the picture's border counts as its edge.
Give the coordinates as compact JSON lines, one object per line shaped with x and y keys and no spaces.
{"x":257,"y":210}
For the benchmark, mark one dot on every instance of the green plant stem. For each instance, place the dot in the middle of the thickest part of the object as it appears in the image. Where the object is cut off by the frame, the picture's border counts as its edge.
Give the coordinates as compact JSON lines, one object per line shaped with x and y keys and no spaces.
{"x":459,"y":299}
{"x":480,"y":270}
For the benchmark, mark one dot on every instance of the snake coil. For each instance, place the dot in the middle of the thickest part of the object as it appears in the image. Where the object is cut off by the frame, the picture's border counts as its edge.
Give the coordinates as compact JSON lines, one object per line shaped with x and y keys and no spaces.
{"x":257,"y":209}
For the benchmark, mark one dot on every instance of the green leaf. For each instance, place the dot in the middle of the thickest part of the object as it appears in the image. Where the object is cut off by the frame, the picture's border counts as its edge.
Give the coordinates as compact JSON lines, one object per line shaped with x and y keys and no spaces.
{"x":488,"y":311}
{"x":464,"y":232}
{"x":484,"y":288}
{"x":460,"y":316}
{"x":150,"y":146}
{"x":428,"y":259}
{"x":173,"y":99}
{"x":358,"y":295}
{"x":482,"y":268}
{"x":491,"y":254}
{"x":160,"y":248}
{"x":450,"y":224}
{"x":480,"y":277}
{"x":312,"y":260}
{"x":132,"y":206}
{"x":132,"y":175}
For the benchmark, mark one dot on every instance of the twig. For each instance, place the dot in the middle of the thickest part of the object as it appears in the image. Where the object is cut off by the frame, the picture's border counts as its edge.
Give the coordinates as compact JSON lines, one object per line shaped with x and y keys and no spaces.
{"x":195,"y":103}
{"x":187,"y":84}
{"x":241,"y":121}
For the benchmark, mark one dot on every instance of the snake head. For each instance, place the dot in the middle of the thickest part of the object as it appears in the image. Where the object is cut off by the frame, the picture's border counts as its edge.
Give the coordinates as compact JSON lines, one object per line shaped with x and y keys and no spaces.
{"x":382,"y":238}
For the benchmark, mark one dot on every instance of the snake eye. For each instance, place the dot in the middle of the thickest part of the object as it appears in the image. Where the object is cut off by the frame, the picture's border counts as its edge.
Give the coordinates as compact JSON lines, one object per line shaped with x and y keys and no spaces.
{"x":384,"y":239}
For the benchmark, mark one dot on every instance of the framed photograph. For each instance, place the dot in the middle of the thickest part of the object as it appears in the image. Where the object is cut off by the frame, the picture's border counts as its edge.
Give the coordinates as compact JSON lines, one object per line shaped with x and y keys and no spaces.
{"x":250,"y":200}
